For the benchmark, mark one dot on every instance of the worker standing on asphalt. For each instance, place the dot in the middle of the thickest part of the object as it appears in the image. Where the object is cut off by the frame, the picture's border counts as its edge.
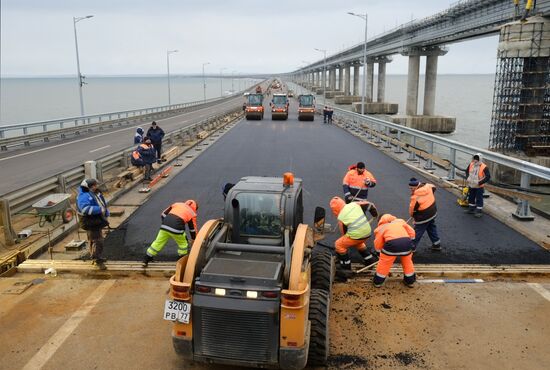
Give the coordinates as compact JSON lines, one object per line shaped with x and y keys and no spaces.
{"x":174,"y":219}
{"x":477,"y":174}
{"x":155,"y":133}
{"x":394,"y":238}
{"x":357,"y":182}
{"x":355,"y":229}
{"x":423,"y":210}
{"x":93,"y":214}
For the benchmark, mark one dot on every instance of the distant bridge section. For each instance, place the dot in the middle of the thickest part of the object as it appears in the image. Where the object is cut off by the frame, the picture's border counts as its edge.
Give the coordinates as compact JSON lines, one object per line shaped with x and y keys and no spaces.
{"x":465,"y":20}
{"x":425,"y":38}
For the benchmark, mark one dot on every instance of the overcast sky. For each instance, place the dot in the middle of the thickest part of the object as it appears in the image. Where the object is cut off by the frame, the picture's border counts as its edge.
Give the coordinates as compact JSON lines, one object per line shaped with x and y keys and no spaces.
{"x":248,"y":36}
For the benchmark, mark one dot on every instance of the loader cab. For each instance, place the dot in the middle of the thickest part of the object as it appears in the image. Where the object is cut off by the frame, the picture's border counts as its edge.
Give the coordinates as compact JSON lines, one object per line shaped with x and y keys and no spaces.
{"x":264,"y":210}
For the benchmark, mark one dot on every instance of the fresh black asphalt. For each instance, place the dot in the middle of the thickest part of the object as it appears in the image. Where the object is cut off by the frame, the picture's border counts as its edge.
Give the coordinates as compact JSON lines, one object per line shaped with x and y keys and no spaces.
{"x":320,"y":155}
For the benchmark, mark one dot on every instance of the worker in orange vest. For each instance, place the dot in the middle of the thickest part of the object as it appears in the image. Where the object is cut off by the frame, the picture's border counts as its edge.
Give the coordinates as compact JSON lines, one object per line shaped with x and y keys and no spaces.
{"x":355,"y":229}
{"x":477,"y":174}
{"x":174,"y":219}
{"x":394,"y":238}
{"x":357,"y":182}
{"x":423,"y":210}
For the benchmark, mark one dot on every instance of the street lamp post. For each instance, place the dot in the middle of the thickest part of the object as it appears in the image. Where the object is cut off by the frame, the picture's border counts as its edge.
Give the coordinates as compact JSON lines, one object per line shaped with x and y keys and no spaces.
{"x":365,"y":18}
{"x":204,"y":81}
{"x":221,"y":81}
{"x":324,"y":74}
{"x":232,"y":80}
{"x":79,"y":76}
{"x":168,"y":52}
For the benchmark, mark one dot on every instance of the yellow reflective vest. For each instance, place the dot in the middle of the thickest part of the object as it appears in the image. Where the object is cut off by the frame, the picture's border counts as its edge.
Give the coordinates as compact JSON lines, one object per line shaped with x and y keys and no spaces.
{"x":353,"y":217}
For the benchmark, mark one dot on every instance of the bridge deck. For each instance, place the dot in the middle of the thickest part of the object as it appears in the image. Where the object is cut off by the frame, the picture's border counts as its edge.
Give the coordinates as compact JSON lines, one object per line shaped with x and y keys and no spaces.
{"x":319,"y":154}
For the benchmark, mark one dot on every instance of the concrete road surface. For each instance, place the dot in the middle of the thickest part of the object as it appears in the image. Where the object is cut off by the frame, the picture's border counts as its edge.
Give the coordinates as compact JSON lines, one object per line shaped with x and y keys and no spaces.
{"x":79,"y":323}
{"x":320,"y":154}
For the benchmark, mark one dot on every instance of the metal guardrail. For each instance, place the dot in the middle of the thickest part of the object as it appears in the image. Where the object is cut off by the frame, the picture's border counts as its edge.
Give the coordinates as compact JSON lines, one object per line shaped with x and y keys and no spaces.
{"x":23,"y":198}
{"x":381,"y":128}
{"x":41,"y":127}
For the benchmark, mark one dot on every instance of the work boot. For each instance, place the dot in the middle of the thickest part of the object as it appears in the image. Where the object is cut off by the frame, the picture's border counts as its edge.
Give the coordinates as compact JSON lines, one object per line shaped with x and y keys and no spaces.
{"x":478,"y":214}
{"x":345,"y":261}
{"x":409,"y":284}
{"x":369,"y":259}
{"x":99,"y":264}
{"x":436,"y":247}
{"x":146,"y":260}
{"x":470,"y":211}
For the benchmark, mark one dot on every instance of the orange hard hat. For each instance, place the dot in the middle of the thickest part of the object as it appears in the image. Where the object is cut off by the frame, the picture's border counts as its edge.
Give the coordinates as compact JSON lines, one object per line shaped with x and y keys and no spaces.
{"x":385,"y":219}
{"x":336,"y":204}
{"x":191,"y":203}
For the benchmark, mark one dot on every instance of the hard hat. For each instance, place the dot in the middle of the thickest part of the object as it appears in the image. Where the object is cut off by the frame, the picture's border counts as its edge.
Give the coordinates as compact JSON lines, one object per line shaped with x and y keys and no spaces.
{"x":336,"y":205}
{"x":88,"y":183}
{"x":191,"y":203}
{"x":386,"y":219}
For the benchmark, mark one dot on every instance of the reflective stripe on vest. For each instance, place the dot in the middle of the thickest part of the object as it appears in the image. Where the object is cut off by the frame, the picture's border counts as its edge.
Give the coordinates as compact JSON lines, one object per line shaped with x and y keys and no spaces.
{"x":355,"y":220}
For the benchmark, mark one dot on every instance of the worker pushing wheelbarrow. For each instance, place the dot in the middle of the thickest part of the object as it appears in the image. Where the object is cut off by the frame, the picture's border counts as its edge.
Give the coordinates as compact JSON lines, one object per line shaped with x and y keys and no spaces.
{"x":52,"y":207}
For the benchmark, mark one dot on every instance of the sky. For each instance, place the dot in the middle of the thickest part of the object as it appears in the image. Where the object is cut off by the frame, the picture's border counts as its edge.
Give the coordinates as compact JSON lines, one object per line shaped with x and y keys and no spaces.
{"x":127,"y":37}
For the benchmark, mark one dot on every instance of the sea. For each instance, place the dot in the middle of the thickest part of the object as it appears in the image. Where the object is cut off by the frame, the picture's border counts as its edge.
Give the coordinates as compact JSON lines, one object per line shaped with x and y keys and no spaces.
{"x":34,"y":99}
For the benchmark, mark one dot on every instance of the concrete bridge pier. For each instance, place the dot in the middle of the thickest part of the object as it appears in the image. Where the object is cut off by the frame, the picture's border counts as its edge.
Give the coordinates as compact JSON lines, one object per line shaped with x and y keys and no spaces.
{"x":332,"y":79}
{"x":428,"y":121}
{"x":322,"y":82}
{"x":332,"y":92}
{"x":356,"y":80}
{"x":347,"y":98}
{"x":347,"y":80}
{"x":370,"y":81}
{"x":380,"y":106}
{"x":341,"y":78}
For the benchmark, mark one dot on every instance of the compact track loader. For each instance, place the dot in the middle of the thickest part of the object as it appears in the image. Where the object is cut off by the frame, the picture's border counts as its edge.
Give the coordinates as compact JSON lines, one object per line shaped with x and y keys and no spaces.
{"x":253,"y":291}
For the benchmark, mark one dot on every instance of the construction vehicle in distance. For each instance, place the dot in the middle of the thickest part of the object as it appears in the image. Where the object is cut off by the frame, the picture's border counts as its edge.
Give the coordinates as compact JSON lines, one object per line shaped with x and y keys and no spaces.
{"x":306,"y":107}
{"x":253,"y":291}
{"x":279,"y":107}
{"x":254,"y":108}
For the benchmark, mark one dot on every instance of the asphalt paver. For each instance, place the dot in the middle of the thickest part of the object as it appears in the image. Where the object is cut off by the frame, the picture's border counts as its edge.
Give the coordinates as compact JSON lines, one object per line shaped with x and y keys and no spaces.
{"x":319,"y":154}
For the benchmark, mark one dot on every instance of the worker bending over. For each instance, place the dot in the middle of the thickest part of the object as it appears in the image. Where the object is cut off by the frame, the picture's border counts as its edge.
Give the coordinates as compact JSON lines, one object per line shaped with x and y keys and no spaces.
{"x":423,"y":210}
{"x":394,"y":238}
{"x":174,"y":219}
{"x":357,"y":182}
{"x":355,"y":229}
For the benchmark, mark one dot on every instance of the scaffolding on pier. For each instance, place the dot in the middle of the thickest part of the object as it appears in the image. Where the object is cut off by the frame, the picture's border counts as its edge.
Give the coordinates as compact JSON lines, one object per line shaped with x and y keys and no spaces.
{"x":521,"y":103}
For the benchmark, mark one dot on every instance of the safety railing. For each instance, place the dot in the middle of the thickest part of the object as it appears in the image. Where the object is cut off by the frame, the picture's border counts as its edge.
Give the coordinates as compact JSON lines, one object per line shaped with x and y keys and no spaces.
{"x":23,"y":198}
{"x":399,"y":138}
{"x":36,"y":130}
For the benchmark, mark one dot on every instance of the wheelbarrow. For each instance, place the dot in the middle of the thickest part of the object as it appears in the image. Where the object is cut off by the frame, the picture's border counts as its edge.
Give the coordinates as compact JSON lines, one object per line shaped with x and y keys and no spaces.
{"x":52,"y":207}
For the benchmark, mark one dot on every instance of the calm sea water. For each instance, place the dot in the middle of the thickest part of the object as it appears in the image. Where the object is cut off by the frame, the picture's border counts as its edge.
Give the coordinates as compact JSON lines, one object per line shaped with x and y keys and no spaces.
{"x":39,"y":99}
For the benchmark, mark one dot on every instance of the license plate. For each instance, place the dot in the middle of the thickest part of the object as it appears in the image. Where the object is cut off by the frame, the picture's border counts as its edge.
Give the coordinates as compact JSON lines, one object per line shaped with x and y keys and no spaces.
{"x":177,"y":311}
